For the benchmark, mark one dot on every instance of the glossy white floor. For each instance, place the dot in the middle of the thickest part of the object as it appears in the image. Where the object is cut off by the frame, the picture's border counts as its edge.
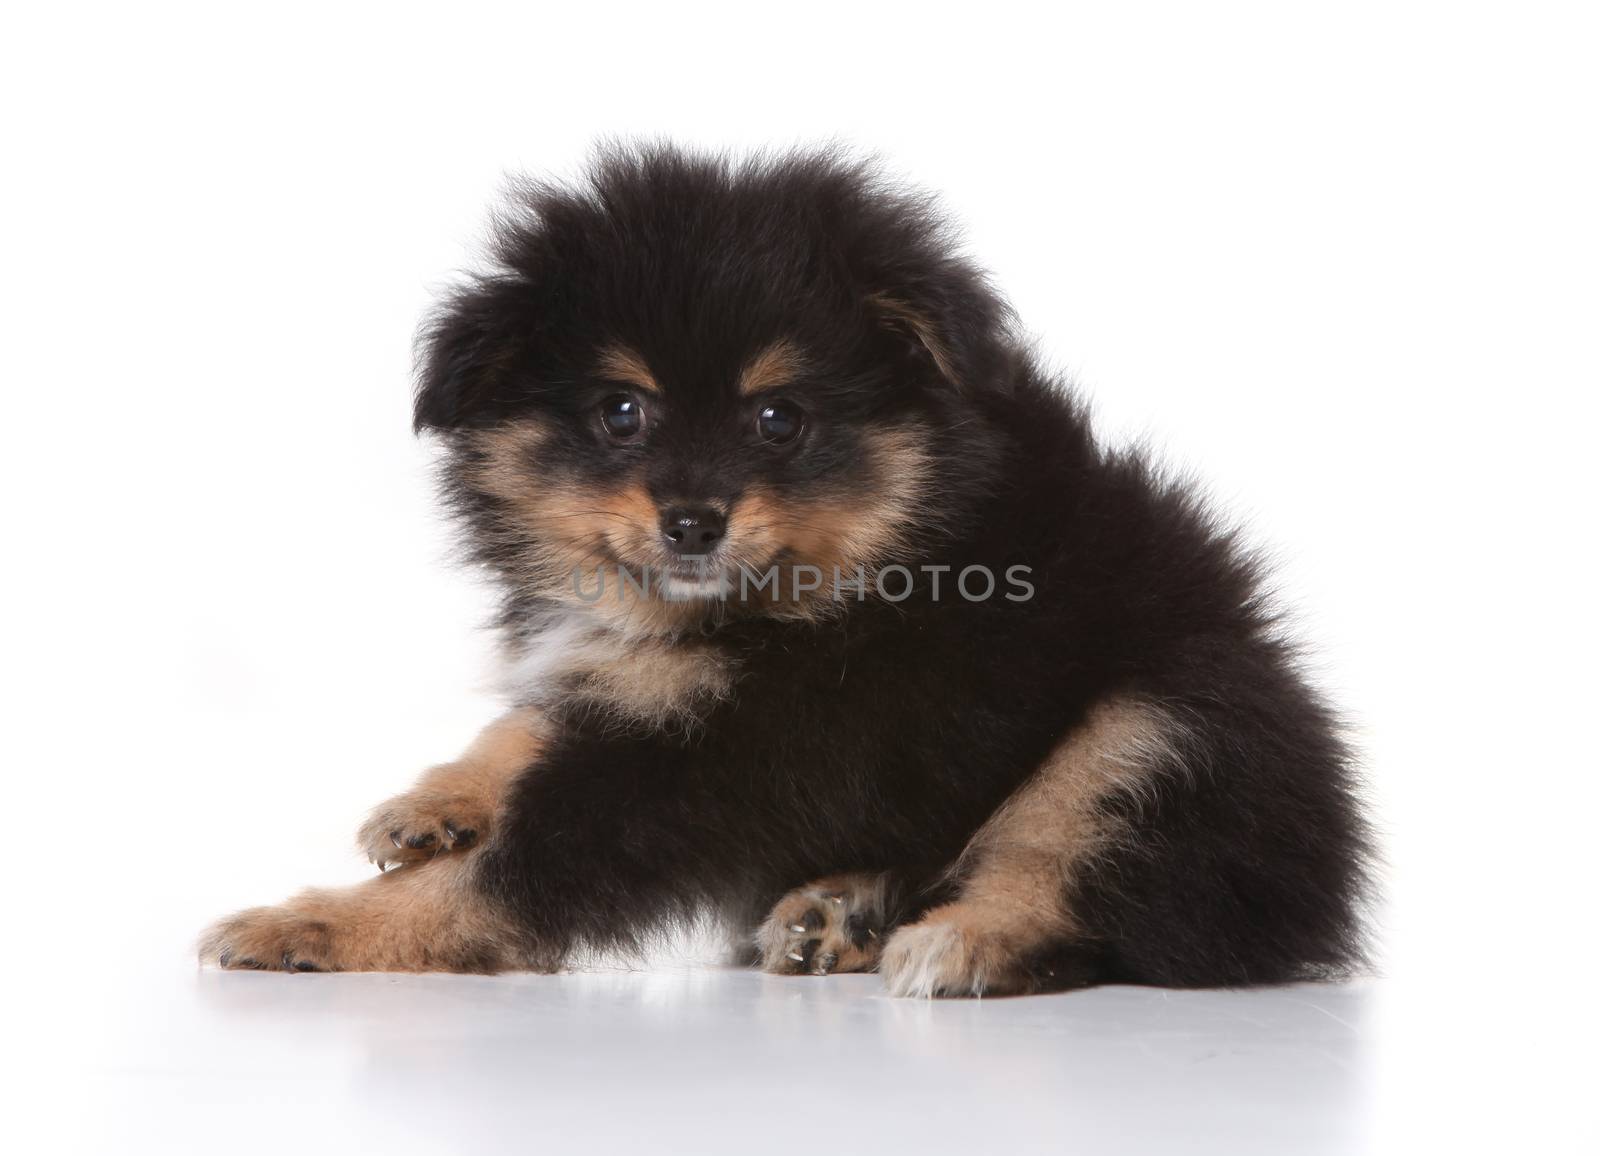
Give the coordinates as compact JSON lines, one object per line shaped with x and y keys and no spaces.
{"x":152,"y":1054}
{"x":714,"y":1060}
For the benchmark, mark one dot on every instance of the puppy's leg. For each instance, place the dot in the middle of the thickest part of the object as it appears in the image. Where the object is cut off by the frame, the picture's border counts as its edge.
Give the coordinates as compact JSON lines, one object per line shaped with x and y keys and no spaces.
{"x":419,"y":916}
{"x":839,"y":923}
{"x":1011,"y":928}
{"x":422,"y":917}
{"x":454,"y":806}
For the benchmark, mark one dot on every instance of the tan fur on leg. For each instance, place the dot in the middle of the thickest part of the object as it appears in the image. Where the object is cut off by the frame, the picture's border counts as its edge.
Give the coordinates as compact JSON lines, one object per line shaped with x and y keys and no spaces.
{"x":423,"y":917}
{"x":454,"y":806}
{"x":1017,"y":873}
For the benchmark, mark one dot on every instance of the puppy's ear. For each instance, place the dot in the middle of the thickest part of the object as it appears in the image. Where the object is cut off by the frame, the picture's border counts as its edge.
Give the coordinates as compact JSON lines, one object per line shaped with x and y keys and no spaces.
{"x":464,"y":355}
{"x":953,"y":323}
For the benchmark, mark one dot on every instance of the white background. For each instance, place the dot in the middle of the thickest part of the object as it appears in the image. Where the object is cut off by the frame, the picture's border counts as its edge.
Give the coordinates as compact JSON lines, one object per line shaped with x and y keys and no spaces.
{"x":1340,"y":261}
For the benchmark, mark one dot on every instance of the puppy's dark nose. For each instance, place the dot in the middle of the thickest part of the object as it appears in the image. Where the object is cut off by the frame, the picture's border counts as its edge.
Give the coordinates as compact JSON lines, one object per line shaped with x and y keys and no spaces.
{"x":692,"y":530}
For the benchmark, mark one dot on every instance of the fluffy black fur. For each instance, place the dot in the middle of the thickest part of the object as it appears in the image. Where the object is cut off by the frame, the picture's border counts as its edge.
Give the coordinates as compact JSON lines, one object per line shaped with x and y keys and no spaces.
{"x":882,"y":736}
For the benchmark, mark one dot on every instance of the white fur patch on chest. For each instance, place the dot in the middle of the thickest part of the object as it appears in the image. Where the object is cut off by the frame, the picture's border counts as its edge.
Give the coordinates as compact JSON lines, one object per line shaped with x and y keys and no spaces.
{"x":572,"y":659}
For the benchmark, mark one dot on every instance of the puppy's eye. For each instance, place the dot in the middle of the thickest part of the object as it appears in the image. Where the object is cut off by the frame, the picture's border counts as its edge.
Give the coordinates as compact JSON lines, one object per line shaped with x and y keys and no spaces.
{"x":780,"y":422}
{"x":622,"y":417}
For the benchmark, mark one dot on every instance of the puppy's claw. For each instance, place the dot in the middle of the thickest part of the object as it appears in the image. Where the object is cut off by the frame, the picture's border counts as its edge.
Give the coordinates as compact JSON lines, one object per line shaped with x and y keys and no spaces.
{"x":394,"y":837}
{"x":822,"y":928}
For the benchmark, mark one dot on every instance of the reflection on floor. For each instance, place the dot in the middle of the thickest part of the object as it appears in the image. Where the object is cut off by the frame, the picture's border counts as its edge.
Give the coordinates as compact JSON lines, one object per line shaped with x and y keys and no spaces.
{"x":715,"y":1060}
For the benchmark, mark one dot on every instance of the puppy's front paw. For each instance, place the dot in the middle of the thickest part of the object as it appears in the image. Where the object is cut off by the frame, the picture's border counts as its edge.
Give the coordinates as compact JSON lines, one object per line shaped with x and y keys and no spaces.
{"x":834,"y":924}
{"x":966,"y":949}
{"x":421,"y":917}
{"x":270,"y":939}
{"x":420,"y":824}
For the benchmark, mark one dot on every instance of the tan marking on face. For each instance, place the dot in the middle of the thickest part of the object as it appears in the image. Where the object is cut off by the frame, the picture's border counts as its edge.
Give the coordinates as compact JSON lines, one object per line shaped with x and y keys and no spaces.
{"x":619,"y":363}
{"x":571,"y":523}
{"x":628,"y":523}
{"x":590,"y":524}
{"x":921,"y":327}
{"x":541,"y":524}
{"x":505,"y":458}
{"x":564,"y":535}
{"x":860,"y":531}
{"x":1017,"y":874}
{"x":503,"y":463}
{"x":557,"y":527}
{"x":774,"y":367}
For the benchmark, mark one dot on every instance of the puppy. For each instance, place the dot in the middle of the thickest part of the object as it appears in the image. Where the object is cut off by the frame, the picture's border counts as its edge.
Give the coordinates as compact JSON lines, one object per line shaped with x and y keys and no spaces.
{"x":827,"y":617}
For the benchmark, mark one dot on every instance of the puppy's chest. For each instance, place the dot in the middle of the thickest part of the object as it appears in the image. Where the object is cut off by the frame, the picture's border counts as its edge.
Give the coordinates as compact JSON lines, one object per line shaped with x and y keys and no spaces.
{"x":593,"y":670}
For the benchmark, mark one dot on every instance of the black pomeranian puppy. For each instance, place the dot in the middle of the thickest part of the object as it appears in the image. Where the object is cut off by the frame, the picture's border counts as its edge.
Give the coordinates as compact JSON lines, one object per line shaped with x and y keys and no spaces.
{"x":827,"y":617}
